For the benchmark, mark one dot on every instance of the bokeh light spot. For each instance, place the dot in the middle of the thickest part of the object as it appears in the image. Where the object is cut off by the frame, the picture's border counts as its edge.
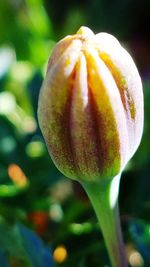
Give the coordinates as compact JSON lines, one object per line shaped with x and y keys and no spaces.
{"x":35,"y":149}
{"x":7,"y":103}
{"x":17,"y":175}
{"x":7,"y":144}
{"x":56,"y":212}
{"x":60,"y":254}
{"x":136,"y":259}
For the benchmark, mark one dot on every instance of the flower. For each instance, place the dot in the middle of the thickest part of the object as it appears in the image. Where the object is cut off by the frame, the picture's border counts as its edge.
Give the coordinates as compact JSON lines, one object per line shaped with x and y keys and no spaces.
{"x":91,"y":106}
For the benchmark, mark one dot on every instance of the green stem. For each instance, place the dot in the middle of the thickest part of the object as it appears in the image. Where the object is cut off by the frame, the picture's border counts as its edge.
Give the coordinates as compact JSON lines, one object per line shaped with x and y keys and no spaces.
{"x":104,"y":198}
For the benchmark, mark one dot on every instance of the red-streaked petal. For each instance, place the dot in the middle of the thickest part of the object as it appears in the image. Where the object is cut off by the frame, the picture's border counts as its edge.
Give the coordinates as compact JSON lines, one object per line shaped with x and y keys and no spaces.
{"x":129,"y":84}
{"x":54,"y":106}
{"x":111,"y":120}
{"x":82,"y":127}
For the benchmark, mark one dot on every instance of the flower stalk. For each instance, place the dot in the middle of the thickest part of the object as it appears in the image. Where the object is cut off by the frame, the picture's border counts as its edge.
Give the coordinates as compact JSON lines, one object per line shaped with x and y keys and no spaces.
{"x":104,"y":199}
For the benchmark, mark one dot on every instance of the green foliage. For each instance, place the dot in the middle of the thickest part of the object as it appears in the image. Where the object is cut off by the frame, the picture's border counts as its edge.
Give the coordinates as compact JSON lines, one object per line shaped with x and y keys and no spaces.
{"x":29,"y":250}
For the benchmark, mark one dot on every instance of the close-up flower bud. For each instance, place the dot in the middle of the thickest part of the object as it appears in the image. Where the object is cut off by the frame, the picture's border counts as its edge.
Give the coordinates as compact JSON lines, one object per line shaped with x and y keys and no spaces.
{"x":72,"y":112}
{"x":91,"y":106}
{"x":91,"y":116}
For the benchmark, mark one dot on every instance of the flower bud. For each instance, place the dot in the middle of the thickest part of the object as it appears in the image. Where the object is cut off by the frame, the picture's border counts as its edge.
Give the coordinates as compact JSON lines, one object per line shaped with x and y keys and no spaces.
{"x":91,"y":106}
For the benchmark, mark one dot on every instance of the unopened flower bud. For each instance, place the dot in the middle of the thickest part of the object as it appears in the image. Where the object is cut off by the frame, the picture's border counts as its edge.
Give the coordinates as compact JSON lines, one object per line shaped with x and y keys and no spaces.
{"x":91,"y":106}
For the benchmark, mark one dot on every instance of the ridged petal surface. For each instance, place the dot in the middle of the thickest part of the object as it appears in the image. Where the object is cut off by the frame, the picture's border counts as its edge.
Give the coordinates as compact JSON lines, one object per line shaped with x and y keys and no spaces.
{"x":91,"y":106}
{"x":53,"y":108}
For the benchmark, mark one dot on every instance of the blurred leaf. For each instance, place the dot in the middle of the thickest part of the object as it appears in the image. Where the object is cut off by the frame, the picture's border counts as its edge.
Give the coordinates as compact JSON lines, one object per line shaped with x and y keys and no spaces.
{"x":3,"y":259}
{"x":140,"y":233}
{"x":28,"y":249}
{"x":9,"y":190}
{"x":39,"y":21}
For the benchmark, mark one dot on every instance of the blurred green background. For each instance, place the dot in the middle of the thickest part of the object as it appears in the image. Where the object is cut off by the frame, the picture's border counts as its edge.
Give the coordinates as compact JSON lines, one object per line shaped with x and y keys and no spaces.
{"x":45,"y":219}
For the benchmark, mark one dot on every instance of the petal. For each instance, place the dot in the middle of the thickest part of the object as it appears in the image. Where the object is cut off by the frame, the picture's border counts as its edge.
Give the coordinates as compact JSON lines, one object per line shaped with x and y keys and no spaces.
{"x":110,"y":115}
{"x":128,"y":82}
{"x":54,"y":107}
{"x":58,"y":50}
{"x":82,"y":127}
